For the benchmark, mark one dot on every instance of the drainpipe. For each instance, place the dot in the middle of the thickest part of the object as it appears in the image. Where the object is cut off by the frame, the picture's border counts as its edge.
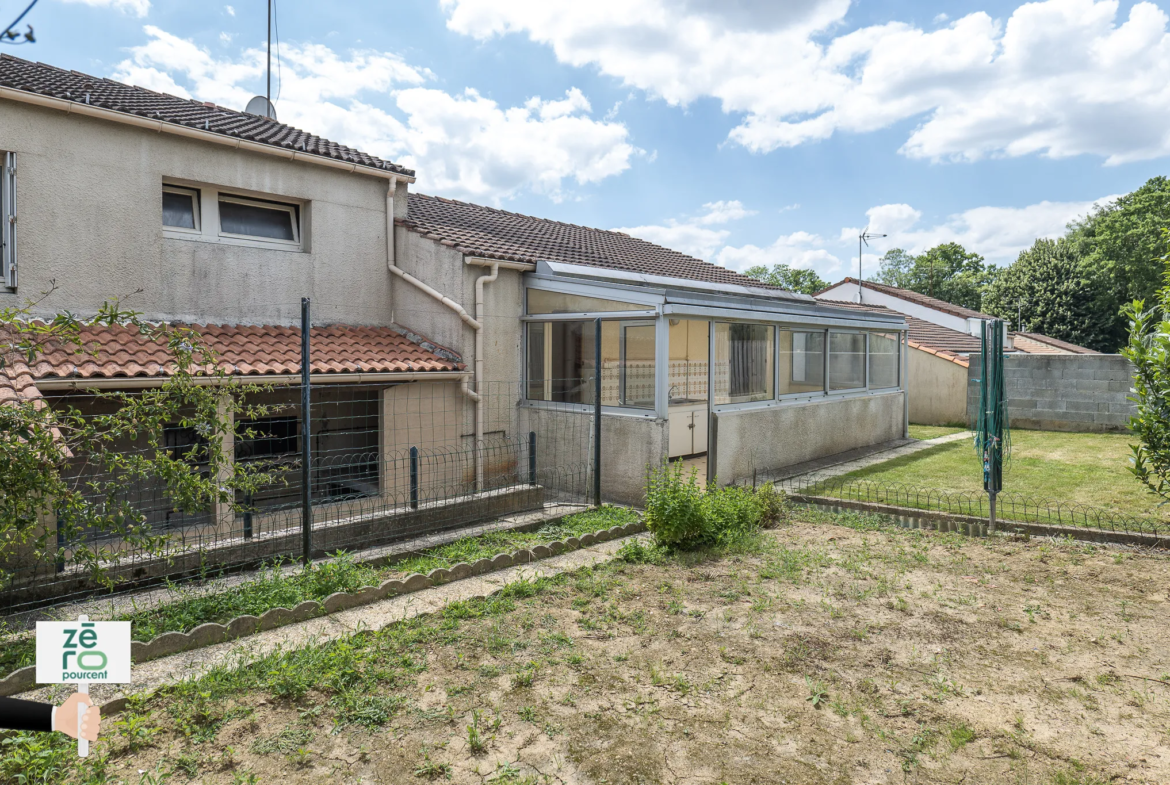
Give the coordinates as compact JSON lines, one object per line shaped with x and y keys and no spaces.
{"x":390,"y":265}
{"x":454,"y":306}
{"x":479,"y":360}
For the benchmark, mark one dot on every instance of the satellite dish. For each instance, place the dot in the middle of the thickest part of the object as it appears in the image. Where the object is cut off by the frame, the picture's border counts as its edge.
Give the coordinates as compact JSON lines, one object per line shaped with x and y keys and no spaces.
{"x":261,"y":107}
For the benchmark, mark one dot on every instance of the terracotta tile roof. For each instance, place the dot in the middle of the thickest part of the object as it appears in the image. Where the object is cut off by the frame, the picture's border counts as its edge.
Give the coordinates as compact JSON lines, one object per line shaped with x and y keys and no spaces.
{"x":498,"y":234}
{"x":48,"y":80}
{"x":927,"y":336}
{"x":1035,"y":343}
{"x":913,"y":297}
{"x":122,"y":352}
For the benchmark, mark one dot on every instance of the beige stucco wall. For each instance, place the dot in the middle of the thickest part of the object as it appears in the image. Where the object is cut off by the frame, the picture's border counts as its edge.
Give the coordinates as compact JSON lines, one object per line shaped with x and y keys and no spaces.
{"x":777,"y":436}
{"x":938,"y":390}
{"x":90,"y":218}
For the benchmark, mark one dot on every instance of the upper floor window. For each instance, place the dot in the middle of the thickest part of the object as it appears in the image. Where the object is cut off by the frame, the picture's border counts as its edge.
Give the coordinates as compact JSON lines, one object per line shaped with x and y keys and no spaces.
{"x":242,"y":217}
{"x":181,"y":207}
{"x":8,"y":220}
{"x":206,"y":213}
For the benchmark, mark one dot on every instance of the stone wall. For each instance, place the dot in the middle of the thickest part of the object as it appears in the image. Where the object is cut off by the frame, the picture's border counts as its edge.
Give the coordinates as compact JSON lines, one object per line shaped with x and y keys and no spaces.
{"x":1067,"y":392}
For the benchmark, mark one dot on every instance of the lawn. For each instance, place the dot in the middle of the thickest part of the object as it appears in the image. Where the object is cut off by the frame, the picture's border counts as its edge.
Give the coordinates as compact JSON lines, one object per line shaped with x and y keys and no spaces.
{"x":816,"y":653}
{"x":1071,"y":468}
{"x":185,"y":607}
{"x":925,"y":432}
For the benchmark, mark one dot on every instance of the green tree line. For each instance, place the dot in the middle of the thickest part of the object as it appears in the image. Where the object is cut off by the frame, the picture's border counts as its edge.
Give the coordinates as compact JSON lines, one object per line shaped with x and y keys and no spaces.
{"x":1072,"y":288}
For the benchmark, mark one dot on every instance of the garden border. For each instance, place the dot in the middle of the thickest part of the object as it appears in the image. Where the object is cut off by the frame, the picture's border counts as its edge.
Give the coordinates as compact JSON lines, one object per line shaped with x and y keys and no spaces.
{"x":211,"y":633}
{"x":975,"y":526}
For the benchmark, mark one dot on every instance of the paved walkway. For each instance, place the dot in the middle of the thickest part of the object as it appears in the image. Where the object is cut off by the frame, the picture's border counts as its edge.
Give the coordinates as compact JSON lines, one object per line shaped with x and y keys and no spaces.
{"x":189,"y":665}
{"x":838,"y":469}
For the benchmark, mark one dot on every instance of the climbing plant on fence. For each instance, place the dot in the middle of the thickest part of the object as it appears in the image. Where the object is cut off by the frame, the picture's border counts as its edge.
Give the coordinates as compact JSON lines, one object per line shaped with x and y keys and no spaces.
{"x":48,"y":506}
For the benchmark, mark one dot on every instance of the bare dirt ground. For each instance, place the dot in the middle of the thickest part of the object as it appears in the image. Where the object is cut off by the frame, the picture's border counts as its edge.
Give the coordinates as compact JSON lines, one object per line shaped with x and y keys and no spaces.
{"x":823,"y":654}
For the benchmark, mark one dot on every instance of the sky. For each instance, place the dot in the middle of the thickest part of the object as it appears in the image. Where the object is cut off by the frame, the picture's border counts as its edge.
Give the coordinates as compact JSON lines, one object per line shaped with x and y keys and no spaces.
{"x":743,"y":132}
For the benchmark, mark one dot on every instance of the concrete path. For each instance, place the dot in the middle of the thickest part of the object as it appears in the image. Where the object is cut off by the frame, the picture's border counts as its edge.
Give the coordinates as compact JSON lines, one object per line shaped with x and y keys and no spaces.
{"x":836,"y":470}
{"x":189,"y":665}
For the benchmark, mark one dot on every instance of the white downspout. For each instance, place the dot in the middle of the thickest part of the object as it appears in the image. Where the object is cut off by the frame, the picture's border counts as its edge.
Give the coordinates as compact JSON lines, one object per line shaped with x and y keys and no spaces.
{"x":476,"y":324}
{"x":392,"y":267}
{"x":479,"y":360}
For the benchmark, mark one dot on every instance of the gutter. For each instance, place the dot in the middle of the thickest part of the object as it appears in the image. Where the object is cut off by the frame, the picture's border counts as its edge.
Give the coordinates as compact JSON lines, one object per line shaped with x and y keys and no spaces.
{"x":162,"y":126}
{"x":144,"y":382}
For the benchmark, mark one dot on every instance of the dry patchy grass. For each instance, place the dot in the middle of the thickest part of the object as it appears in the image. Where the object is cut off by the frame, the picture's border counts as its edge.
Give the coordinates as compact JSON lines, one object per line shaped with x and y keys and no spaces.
{"x":822,"y":654}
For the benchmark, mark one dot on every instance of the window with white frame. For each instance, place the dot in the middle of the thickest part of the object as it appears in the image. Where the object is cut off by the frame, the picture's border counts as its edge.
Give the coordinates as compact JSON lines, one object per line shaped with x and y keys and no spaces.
{"x":743,"y":362}
{"x":8,"y":221}
{"x":258,"y":219}
{"x":206,"y":213}
{"x":180,"y":208}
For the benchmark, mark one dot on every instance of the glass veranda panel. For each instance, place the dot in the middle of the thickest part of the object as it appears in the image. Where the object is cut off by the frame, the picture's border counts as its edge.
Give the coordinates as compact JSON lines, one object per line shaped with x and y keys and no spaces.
{"x":802,"y":362}
{"x":562,"y":356}
{"x":883,"y":360}
{"x":846,"y":361}
{"x":743,"y":362}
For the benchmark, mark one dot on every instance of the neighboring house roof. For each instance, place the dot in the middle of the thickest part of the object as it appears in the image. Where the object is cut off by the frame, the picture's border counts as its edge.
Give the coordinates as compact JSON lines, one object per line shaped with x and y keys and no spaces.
{"x":42,"y":79}
{"x":914,"y":297}
{"x":1035,"y":343}
{"x":929,"y":337}
{"x":497,"y":234}
{"x":123,"y":352}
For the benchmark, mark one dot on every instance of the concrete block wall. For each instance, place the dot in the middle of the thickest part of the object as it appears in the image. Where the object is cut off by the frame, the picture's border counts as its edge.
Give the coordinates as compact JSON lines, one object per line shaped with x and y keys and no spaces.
{"x":1073,"y":392}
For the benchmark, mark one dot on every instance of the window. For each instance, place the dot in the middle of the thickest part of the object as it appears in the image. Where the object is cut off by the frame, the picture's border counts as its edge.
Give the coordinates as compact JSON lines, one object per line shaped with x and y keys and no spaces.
{"x":540,"y":301}
{"x":802,"y":362}
{"x":8,"y":221}
{"x":883,"y":360}
{"x":846,"y":361}
{"x":271,"y":437}
{"x":180,"y":208}
{"x":562,"y":357}
{"x":743,"y":362}
{"x":186,"y":444}
{"x":256,"y":219}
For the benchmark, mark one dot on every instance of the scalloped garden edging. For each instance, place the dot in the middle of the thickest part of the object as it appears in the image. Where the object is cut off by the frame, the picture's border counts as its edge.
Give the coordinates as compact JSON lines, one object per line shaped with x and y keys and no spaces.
{"x":211,"y":633}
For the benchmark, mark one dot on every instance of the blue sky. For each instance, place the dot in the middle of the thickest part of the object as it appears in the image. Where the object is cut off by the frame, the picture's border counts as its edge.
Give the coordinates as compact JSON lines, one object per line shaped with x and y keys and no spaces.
{"x":742,"y":131}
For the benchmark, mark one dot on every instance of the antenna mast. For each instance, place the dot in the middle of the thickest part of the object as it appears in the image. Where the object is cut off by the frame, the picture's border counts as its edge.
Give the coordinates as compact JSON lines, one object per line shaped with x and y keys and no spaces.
{"x":268,"y":88}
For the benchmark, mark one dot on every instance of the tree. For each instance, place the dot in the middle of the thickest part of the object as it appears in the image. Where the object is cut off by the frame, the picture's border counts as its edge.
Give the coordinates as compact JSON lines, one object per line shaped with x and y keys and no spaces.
{"x":1050,"y":289}
{"x":896,"y":269}
{"x":790,"y":278}
{"x":1148,"y":348}
{"x":1123,"y":240}
{"x":66,"y":474}
{"x":948,"y":271}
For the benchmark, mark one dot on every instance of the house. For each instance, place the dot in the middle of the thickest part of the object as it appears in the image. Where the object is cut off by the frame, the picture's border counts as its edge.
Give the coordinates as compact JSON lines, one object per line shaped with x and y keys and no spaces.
{"x":454,"y":347}
{"x":941,"y":337}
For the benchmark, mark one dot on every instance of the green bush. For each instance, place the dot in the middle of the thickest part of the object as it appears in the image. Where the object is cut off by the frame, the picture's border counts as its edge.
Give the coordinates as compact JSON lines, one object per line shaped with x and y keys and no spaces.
{"x":674,"y":508}
{"x":682,"y":514}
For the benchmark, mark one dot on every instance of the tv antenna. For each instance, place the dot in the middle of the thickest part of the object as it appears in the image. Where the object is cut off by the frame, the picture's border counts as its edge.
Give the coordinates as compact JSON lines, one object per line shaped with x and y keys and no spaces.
{"x":261,"y":105}
{"x":863,"y":238}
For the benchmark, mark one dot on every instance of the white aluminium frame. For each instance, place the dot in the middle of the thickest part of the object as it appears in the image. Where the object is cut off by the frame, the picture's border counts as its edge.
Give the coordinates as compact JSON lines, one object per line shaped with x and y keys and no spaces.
{"x":276,"y":207}
{"x":207,"y":207}
{"x":8,"y":265}
{"x":196,"y":207}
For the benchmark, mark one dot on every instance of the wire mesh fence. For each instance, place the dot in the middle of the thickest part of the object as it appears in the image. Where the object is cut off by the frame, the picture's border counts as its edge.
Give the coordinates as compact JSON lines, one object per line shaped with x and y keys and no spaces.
{"x":1010,"y":506}
{"x":386,"y":462}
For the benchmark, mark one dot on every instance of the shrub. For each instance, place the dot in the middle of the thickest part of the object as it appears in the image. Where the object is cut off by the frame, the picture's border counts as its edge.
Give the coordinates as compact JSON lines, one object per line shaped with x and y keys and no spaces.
{"x":683,"y":515}
{"x":674,"y":508}
{"x":731,"y":513}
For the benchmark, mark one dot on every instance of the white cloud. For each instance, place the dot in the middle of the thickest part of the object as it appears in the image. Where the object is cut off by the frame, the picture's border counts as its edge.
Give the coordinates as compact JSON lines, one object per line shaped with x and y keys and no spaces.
{"x":225,"y":38}
{"x":230,"y":11}
{"x":1057,"y":78}
{"x":799,"y":249}
{"x":137,"y":7}
{"x":692,"y":235}
{"x":461,"y":144}
{"x":996,"y":233}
